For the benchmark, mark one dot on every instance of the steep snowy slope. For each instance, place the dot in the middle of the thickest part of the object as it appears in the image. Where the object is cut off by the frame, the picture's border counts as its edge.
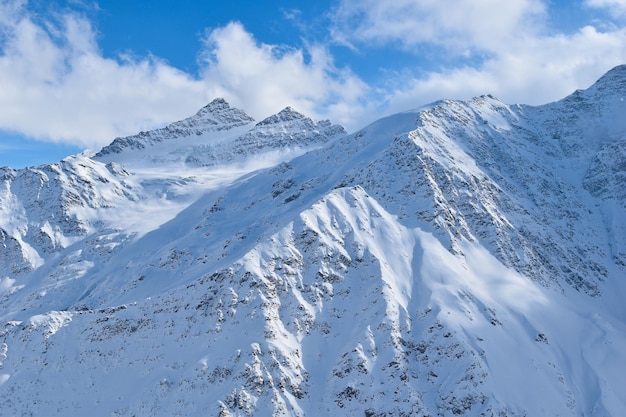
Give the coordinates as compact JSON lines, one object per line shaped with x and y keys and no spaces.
{"x":46,"y":209}
{"x":464,"y":258}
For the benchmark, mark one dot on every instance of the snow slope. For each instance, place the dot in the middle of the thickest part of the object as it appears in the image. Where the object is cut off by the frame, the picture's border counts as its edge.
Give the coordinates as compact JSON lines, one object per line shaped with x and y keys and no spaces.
{"x":463,"y":258}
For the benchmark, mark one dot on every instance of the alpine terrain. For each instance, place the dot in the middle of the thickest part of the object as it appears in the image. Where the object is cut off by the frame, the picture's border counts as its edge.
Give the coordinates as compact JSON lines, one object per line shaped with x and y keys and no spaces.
{"x":466,"y":258}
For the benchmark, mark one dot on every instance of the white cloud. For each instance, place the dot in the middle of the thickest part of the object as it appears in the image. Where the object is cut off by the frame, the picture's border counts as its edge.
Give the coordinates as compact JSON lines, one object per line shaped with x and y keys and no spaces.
{"x":521,"y":59}
{"x":488,"y":24}
{"x":265,"y":78}
{"x":535,"y":71}
{"x":616,"y":7}
{"x":57,"y":86}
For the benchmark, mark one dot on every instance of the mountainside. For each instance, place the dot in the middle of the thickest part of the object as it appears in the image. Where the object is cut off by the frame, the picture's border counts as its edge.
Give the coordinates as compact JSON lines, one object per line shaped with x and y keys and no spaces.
{"x":466,"y":258}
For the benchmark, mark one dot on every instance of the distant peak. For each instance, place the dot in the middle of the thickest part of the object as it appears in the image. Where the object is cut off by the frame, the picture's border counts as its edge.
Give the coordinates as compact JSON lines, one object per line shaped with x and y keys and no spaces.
{"x":216,"y":104}
{"x":289,"y":113}
{"x":218,"y":100}
{"x":619,"y":70}
{"x":220,"y":111}
{"x":285,"y":115}
{"x":215,"y":116}
{"x":614,"y":80}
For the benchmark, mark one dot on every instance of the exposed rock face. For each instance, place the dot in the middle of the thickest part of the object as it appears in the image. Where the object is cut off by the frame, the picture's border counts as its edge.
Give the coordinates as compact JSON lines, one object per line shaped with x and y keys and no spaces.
{"x":460,"y":259}
{"x":219,"y":135}
{"x":215,"y":116}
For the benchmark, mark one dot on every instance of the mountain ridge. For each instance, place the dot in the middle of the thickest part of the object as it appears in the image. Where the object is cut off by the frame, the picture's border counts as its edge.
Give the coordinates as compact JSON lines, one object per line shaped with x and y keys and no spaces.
{"x":215,"y":116}
{"x":219,"y":134}
{"x":462,"y":258}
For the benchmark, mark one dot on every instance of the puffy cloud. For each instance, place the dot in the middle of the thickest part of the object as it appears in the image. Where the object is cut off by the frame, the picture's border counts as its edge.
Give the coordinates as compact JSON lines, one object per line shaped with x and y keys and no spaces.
{"x":263,"y":78}
{"x":487,"y":24}
{"x":535,"y":71}
{"x":512,"y":52}
{"x":57,"y":85}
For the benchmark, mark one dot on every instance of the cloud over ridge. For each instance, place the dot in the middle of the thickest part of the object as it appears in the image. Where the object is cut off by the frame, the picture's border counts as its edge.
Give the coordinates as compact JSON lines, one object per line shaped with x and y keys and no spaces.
{"x":59,"y":86}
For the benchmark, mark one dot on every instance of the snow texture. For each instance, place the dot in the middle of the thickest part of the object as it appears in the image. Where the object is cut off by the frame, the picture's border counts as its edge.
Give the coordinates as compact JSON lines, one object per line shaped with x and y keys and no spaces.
{"x":466,"y":258}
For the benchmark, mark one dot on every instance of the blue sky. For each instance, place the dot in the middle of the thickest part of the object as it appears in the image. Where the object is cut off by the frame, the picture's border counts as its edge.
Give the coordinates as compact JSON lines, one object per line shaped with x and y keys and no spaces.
{"x":75,"y":74}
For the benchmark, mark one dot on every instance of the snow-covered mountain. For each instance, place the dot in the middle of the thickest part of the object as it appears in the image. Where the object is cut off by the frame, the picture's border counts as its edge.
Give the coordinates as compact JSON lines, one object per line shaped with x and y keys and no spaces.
{"x":463,"y":258}
{"x":221,"y":135}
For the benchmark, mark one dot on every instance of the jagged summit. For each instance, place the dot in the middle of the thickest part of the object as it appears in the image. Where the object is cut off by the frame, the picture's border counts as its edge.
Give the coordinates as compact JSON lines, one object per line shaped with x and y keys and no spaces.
{"x":219,"y":134}
{"x":285,"y":115}
{"x":288,"y":129}
{"x":614,"y":78}
{"x":607,"y":90}
{"x":586,"y":120}
{"x":219,"y":113}
{"x":217,"y":116}
{"x":216,"y":103}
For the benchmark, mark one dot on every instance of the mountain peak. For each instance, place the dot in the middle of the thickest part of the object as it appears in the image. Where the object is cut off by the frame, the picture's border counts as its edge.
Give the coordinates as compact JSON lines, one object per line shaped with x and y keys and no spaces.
{"x":218,"y":101}
{"x":612,"y":83}
{"x":218,"y":111}
{"x":215,"y":116}
{"x":289,"y":111}
{"x":618,"y":72}
{"x":285,"y":115}
{"x":217,"y":104}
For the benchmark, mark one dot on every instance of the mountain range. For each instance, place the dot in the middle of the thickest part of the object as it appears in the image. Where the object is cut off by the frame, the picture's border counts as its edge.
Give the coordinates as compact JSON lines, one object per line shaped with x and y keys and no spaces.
{"x":464,"y":258}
